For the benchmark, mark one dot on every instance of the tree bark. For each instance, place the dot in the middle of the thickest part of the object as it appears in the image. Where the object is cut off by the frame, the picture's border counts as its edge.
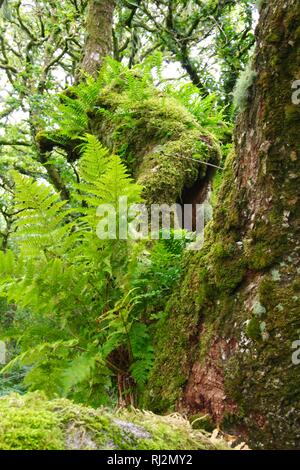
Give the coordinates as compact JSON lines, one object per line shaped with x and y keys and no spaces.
{"x":226,"y":346}
{"x":98,"y":43}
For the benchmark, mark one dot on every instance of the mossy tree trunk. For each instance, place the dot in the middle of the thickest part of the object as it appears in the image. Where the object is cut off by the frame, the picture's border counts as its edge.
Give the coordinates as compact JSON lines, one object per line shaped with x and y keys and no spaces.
{"x":226,"y":347}
{"x":98,"y":35}
{"x":98,"y":45}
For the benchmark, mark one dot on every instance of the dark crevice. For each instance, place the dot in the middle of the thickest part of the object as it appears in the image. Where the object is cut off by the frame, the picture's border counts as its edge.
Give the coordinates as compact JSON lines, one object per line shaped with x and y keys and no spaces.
{"x":197,"y":194}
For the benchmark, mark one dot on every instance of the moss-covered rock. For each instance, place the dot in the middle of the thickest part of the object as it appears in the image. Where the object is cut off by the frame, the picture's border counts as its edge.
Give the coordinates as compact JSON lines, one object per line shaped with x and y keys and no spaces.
{"x":31,"y":422}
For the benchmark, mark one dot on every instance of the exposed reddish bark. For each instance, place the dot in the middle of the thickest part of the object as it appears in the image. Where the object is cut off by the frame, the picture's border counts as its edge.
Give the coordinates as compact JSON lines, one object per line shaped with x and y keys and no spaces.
{"x":205,"y":388}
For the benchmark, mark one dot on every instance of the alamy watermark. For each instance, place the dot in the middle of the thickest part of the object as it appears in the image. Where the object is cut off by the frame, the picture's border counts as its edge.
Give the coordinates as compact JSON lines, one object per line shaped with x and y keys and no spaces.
{"x":296,"y":353}
{"x":296,"y":344}
{"x":296,"y":93}
{"x":141,"y":222}
{"x":2,"y":353}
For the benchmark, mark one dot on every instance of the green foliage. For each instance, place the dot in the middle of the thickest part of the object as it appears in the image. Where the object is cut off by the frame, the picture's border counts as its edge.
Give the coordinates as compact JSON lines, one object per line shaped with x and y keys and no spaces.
{"x":94,"y":159}
{"x":233,"y":47}
{"x":86,"y":307}
{"x":124,"y":328}
{"x":12,"y":381}
{"x":72,"y":108}
{"x":154,"y":273}
{"x":207,"y":111}
{"x":69,"y":278}
{"x":91,"y":305}
{"x":41,"y":214}
{"x":70,"y":114}
{"x":71,"y":117}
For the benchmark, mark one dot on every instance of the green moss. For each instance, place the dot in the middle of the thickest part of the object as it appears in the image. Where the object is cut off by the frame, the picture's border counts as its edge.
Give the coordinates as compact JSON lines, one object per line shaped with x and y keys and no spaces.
{"x":253,"y":330}
{"x":260,"y":256}
{"x":231,"y":421}
{"x":31,"y":422}
{"x":205,"y":341}
{"x":243,"y":87}
{"x":164,"y":171}
{"x":268,"y":243}
{"x":161,"y":394}
{"x":264,"y":377}
{"x":203,"y":422}
{"x":156,"y":137}
{"x":213,"y":272}
{"x":274,"y":37}
{"x":228,"y":274}
{"x":174,"y":335}
{"x":292,"y":113}
{"x":28,"y":427}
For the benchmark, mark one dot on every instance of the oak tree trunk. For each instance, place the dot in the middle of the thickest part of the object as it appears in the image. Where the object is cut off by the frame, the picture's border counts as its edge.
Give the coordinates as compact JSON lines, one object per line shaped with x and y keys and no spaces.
{"x":226,"y":347}
{"x":98,"y":43}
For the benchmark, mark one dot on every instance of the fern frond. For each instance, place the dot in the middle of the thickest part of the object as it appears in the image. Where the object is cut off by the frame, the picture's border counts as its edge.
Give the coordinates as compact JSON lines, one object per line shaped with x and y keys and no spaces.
{"x":88,"y":92}
{"x":71,"y":117}
{"x":32,"y":354}
{"x":40,"y":214}
{"x":116,"y":182}
{"x":79,"y":370}
{"x":94,"y":160}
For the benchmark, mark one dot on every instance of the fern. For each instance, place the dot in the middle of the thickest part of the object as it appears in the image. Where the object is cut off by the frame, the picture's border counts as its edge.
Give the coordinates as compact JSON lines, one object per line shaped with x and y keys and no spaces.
{"x":41,"y":218}
{"x":37,"y":352}
{"x":70,"y":118}
{"x":105,"y":179}
{"x":79,"y":370}
{"x":93,"y":161}
{"x":142,"y":351}
{"x":206,"y":110}
{"x":116,"y":183}
{"x":71,"y":281}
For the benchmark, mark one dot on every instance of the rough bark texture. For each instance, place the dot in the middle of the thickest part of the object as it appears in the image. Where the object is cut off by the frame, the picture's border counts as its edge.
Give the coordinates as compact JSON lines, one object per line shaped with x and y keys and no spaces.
{"x":226,"y":346}
{"x":99,"y":35}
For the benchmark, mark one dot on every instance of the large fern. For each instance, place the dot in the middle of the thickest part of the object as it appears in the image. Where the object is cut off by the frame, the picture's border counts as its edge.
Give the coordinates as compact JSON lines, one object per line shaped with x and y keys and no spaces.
{"x":67,"y":277}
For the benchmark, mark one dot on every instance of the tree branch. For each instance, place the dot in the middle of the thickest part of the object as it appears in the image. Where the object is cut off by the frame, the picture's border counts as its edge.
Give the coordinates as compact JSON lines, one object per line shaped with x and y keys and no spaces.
{"x":11,"y":143}
{"x":22,"y":24}
{"x":8,"y":67}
